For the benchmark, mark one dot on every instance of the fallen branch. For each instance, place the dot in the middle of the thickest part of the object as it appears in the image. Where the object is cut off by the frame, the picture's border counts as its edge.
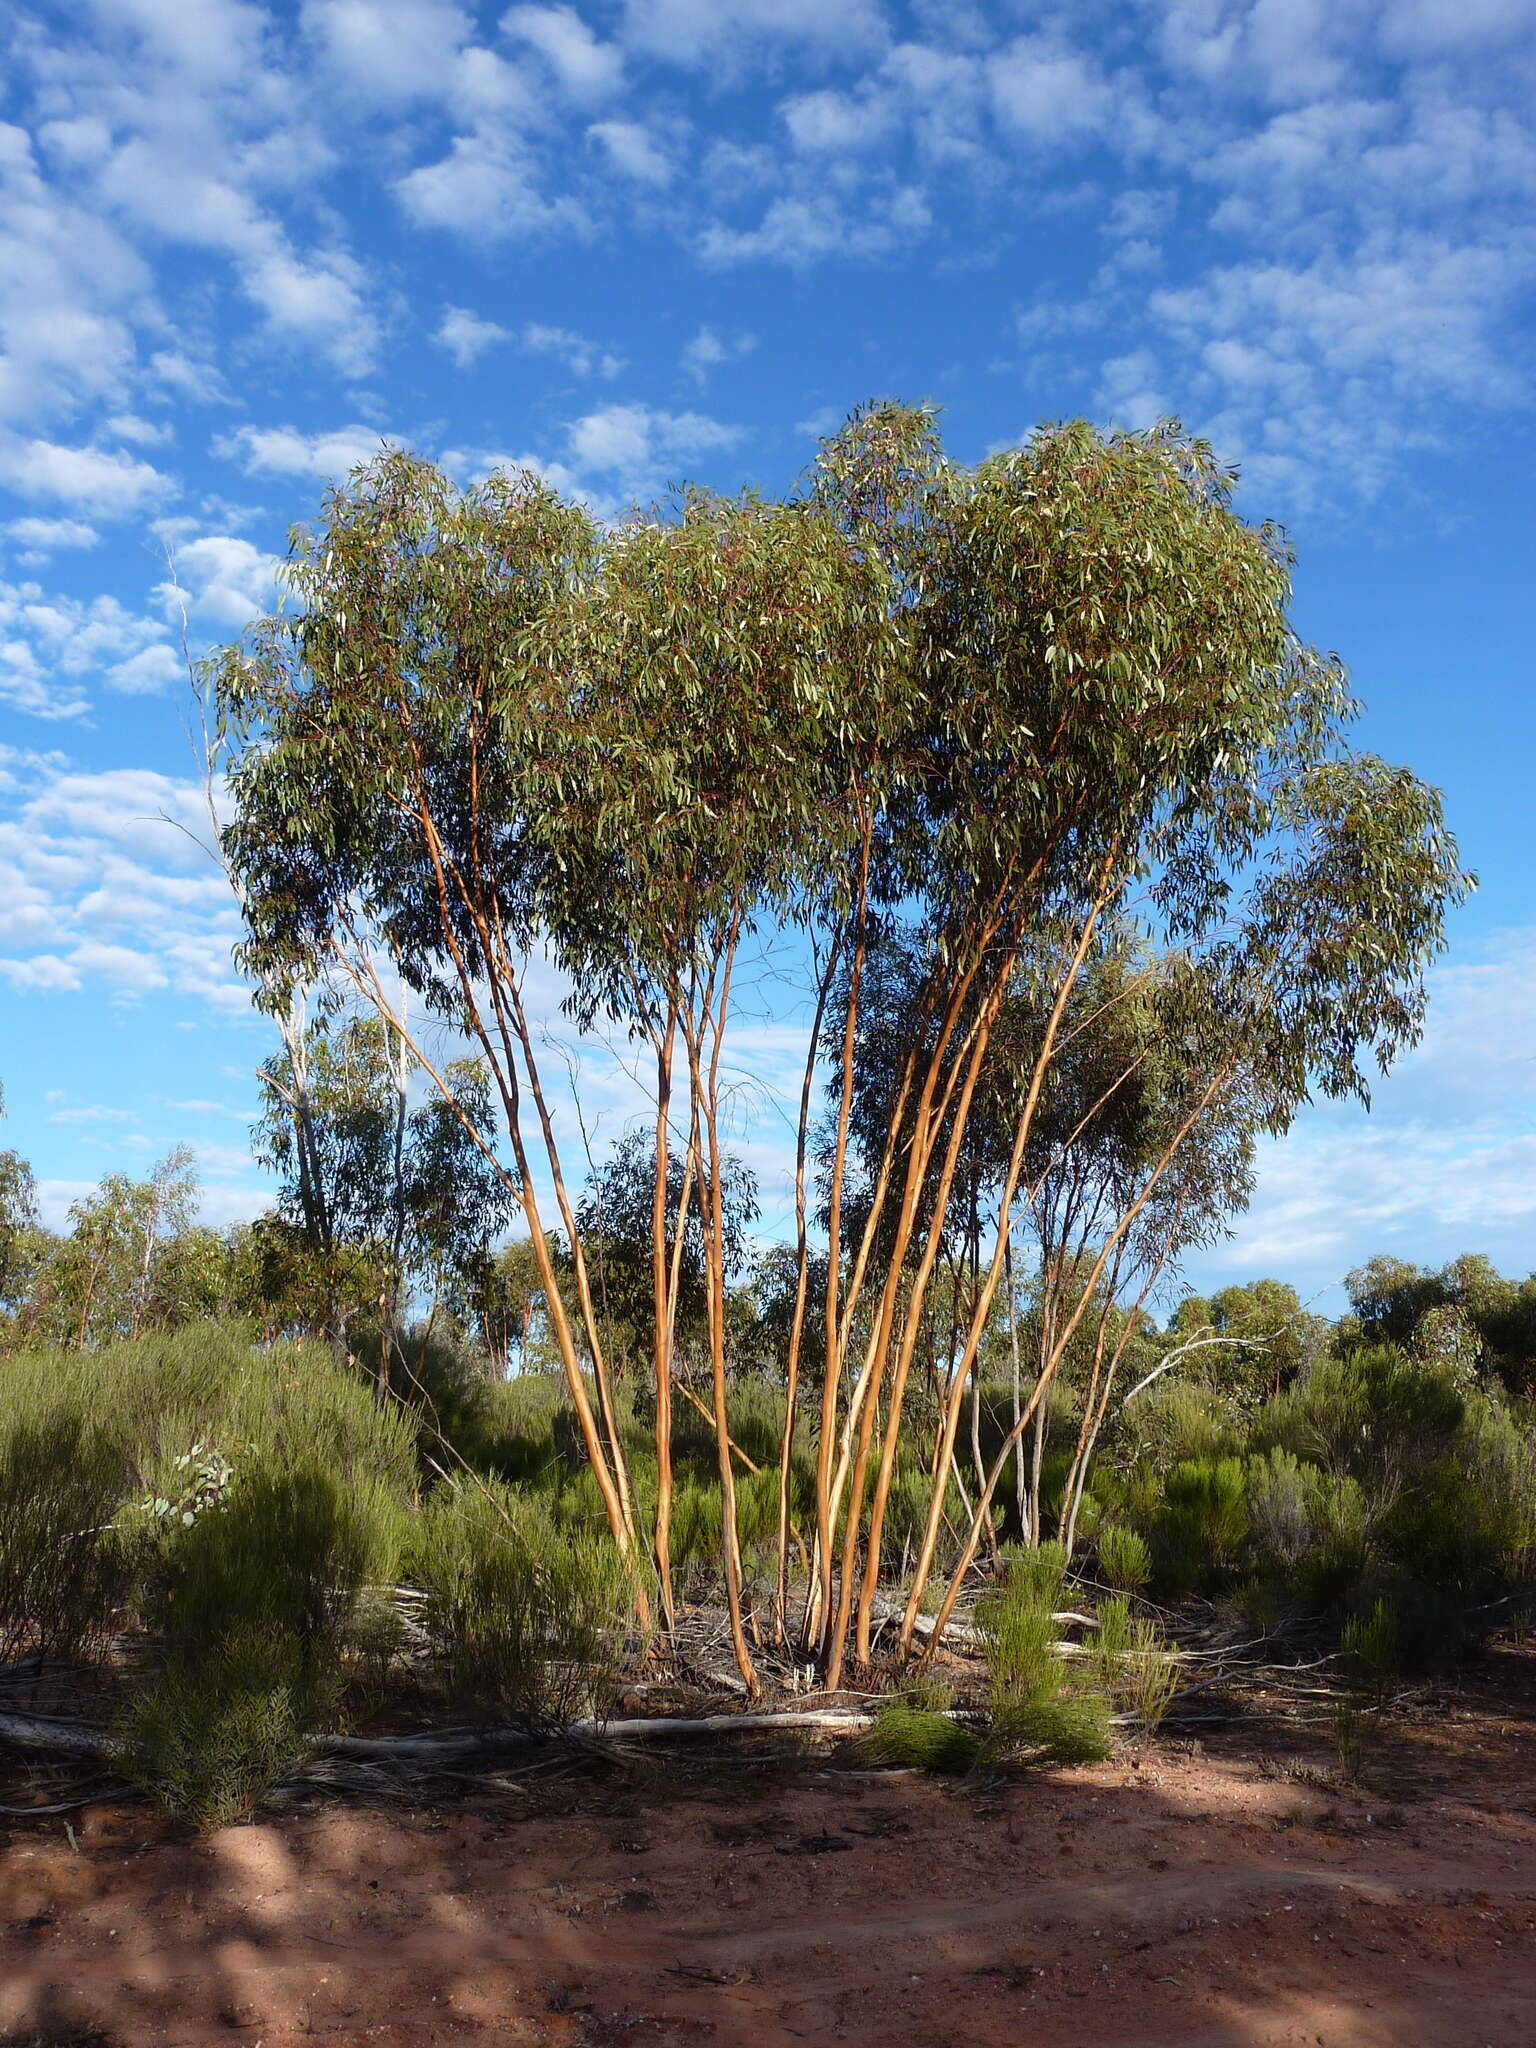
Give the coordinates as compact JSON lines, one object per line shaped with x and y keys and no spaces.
{"x":55,"y":1738}
{"x":71,"y":1738}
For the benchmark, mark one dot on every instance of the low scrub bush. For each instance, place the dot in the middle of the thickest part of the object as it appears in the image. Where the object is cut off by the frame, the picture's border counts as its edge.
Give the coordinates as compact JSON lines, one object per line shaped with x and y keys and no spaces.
{"x":529,"y":1618}
{"x":1124,"y":1559}
{"x":1132,"y":1664}
{"x":1199,"y":1533}
{"x":255,"y":1596}
{"x":288,"y":1550}
{"x":920,"y":1739}
{"x":65,"y":1563}
{"x":212,"y":1731}
{"x":1370,"y":1650}
{"x":1039,"y":1712}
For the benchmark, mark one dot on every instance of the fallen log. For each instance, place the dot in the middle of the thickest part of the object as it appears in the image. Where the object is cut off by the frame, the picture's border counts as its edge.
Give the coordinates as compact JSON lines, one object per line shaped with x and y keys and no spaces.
{"x":73,"y":1738}
{"x":55,"y":1738}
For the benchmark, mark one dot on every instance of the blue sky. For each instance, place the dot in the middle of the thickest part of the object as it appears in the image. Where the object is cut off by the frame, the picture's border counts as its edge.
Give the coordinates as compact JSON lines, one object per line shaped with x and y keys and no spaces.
{"x":648,"y":239}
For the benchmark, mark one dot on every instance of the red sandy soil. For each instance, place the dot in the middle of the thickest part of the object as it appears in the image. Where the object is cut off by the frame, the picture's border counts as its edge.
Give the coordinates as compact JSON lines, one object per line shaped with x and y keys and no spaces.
{"x":1230,"y":1896}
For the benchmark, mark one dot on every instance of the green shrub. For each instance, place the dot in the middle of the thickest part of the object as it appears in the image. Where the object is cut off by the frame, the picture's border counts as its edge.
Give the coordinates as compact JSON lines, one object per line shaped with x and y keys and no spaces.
{"x":1204,"y":1519}
{"x":696,"y":1524}
{"x":1124,"y":1560}
{"x":65,"y":1565}
{"x":528,"y":1618}
{"x":926,"y":1690}
{"x":908,"y":1736}
{"x":255,"y":1597}
{"x":1038,"y":1712}
{"x":1369,"y":1411}
{"x":209,"y":1733}
{"x":1173,"y":1421}
{"x":287,"y":1550}
{"x":1370,"y":1650}
{"x":757,"y":1507}
{"x":1131,"y":1664}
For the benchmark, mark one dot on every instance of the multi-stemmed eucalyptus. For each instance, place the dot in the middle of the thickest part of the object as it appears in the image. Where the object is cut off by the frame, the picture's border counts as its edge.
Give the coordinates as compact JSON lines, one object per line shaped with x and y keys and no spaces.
{"x":1040,"y":726}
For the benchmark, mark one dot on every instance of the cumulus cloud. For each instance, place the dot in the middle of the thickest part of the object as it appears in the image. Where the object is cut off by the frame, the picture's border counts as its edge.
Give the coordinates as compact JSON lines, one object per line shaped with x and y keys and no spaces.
{"x":220,"y":578}
{"x":635,"y":150}
{"x":466,"y":337}
{"x":52,"y":646}
{"x":285,"y":451}
{"x":690,"y":31}
{"x":149,"y":673}
{"x":489,"y":187}
{"x":587,"y":68}
{"x":1446,"y":1158}
{"x":633,"y":441}
{"x":583,"y":357}
{"x":102,"y":482}
{"x":389,"y":52}
{"x":708,"y":351}
{"x":113,"y":887}
{"x":46,"y":536}
{"x":802,"y":230}
{"x":1049,"y":94}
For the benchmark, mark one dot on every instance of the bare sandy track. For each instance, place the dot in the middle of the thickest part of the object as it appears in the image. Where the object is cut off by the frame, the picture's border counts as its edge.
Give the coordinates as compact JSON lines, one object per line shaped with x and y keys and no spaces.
{"x":1169,"y":1901}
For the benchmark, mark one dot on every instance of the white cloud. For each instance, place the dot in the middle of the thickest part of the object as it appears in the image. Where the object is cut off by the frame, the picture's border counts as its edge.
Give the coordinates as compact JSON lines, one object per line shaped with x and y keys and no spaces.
{"x":216,"y":42}
{"x":93,"y":1113}
{"x":708,"y":351}
{"x":111,"y":887}
{"x":321,"y":299}
{"x":586,"y":358}
{"x":488,"y":188}
{"x":835,"y":123}
{"x":690,"y":31}
{"x":586,"y":68}
{"x":46,"y":536}
{"x":632,"y":441}
{"x":800,"y":231}
{"x":1317,"y":370}
{"x":70,"y":286}
{"x":107,"y":484}
{"x":51,"y":646}
{"x":389,"y":52}
{"x":1436,"y":27}
{"x":149,"y":673}
{"x":221,"y":578}
{"x":466,"y":337}
{"x":1444,"y":1162}
{"x":183,"y":377}
{"x":1049,"y":94}
{"x":127,"y":426}
{"x":1128,"y":395}
{"x":1140,"y":213}
{"x":285,"y":451}
{"x":825,"y":420}
{"x":44,"y":971}
{"x":635,"y":150}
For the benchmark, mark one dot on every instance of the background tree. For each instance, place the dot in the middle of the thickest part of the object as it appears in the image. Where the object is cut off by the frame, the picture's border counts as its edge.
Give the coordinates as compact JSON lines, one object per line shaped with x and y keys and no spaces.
{"x":384,"y":1196}
{"x":615,"y":1216}
{"x":1466,"y":1314}
{"x":19,"y":1246}
{"x":118,"y":1271}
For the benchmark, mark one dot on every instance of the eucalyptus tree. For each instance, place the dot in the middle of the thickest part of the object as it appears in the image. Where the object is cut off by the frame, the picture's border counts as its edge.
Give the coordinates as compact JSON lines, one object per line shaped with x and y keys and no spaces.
{"x":1014,"y":709}
{"x":18,"y":1222}
{"x":615,"y":1216}
{"x":395,"y":1194}
{"x":125,"y":1264}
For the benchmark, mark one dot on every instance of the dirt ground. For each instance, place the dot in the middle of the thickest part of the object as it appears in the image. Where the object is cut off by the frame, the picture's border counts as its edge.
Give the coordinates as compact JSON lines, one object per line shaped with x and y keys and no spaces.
{"x":1215,"y":1888}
